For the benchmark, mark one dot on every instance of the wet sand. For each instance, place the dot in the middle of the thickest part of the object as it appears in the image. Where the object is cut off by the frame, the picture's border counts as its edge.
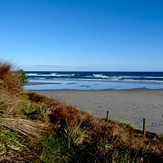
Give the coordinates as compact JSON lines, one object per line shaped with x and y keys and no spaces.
{"x":129,"y":106}
{"x":37,"y":83}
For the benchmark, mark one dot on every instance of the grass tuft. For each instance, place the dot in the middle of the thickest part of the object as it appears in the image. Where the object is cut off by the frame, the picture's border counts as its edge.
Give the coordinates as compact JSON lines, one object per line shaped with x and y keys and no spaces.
{"x":10,"y":81}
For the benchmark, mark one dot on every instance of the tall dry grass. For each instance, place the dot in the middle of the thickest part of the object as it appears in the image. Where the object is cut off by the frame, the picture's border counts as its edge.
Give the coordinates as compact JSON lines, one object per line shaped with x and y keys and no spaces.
{"x":10,"y":81}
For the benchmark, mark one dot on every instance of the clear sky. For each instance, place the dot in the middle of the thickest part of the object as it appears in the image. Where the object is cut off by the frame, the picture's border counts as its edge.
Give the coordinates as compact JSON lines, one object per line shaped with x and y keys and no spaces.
{"x":109,"y":35}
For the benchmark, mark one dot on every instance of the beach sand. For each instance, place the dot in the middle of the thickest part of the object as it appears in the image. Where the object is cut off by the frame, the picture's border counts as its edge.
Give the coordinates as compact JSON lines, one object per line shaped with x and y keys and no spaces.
{"x":129,"y":106}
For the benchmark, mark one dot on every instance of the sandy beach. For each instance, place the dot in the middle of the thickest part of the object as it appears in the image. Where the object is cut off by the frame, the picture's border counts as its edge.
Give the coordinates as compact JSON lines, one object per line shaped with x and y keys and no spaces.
{"x":129,"y":106}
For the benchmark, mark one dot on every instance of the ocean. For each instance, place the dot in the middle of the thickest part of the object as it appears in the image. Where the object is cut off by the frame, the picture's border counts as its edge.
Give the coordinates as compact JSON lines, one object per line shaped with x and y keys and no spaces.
{"x":77,"y":80}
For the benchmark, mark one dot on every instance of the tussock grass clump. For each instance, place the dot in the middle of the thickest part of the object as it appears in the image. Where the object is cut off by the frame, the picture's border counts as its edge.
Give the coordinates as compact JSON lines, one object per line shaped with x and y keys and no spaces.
{"x":11,"y":104}
{"x":10,"y":81}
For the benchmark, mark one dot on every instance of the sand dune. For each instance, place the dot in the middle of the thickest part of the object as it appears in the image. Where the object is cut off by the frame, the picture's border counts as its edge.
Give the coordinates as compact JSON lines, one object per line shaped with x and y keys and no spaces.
{"x":128,"y":106}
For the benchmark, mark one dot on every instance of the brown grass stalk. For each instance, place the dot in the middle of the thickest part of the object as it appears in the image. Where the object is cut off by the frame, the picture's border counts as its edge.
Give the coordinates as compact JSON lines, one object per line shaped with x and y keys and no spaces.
{"x":25,"y":127}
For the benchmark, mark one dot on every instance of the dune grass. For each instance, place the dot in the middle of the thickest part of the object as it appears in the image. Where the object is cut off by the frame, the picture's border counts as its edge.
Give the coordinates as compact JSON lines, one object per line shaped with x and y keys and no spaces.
{"x":34,"y":128}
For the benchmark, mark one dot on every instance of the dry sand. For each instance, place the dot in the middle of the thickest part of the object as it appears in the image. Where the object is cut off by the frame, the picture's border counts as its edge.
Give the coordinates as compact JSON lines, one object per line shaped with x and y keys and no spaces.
{"x":129,"y":106}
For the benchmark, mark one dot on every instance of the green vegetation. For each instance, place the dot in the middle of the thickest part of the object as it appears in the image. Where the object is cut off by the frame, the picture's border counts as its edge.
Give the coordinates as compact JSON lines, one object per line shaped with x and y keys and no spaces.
{"x":34,"y":128}
{"x":23,"y":76}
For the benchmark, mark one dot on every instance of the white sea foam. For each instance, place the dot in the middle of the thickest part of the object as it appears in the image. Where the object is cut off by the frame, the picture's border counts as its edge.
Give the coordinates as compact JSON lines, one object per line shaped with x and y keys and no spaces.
{"x":51,"y":74}
{"x":60,"y":75}
{"x":100,"y":76}
{"x":31,"y":74}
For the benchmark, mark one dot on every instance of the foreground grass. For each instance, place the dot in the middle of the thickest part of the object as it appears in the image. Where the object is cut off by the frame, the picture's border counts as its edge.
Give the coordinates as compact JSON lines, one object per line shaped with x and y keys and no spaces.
{"x":34,"y":128}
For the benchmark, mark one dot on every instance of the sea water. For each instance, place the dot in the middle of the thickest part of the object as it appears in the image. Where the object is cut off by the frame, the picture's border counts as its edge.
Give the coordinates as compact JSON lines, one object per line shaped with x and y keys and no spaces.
{"x":76,"y":80}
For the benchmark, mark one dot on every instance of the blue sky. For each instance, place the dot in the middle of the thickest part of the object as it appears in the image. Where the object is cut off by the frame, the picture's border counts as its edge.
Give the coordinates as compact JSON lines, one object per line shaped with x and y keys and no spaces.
{"x":107,"y":35}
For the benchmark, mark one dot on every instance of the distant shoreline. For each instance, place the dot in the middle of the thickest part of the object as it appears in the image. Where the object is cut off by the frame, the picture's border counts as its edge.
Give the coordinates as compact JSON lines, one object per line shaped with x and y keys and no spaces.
{"x":45,"y":83}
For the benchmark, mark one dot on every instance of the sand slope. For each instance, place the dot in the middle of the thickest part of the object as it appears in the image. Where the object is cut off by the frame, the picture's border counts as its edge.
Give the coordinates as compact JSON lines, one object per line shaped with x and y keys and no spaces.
{"x":126,"y":106}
